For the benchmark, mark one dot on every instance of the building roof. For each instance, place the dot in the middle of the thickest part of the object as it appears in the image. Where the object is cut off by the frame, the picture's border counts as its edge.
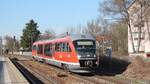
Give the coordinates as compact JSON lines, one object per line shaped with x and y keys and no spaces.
{"x":81,"y":36}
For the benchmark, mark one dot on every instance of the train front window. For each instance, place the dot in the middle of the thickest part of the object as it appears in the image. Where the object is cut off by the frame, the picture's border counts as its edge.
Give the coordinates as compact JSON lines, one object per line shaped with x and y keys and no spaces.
{"x":85,"y":45}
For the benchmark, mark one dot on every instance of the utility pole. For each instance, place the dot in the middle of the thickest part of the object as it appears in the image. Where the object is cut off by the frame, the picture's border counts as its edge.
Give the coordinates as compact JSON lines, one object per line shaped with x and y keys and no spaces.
{"x":14,"y":44}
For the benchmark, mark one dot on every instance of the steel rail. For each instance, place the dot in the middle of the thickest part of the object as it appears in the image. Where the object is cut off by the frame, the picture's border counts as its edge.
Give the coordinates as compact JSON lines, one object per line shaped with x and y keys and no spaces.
{"x":29,"y":76}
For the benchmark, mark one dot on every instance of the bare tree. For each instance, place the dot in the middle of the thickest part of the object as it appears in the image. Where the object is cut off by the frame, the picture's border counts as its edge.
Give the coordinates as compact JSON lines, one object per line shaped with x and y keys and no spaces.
{"x":142,"y":18}
{"x":93,"y":28}
{"x":119,"y":37}
{"x":50,"y":32}
{"x":75,"y":30}
{"x":117,"y":10}
{"x":139,"y":13}
{"x":11,"y":43}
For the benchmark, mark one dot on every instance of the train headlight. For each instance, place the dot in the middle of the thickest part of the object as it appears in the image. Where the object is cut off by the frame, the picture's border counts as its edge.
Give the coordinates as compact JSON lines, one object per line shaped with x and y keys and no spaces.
{"x":79,"y":56}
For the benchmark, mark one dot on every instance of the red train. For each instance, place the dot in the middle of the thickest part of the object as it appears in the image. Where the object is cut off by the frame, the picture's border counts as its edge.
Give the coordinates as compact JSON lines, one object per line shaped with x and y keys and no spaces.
{"x":76,"y":53}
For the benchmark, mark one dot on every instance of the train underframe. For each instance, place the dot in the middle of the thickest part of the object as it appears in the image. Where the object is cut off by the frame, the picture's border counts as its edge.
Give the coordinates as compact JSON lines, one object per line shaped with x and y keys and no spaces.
{"x":84,"y":66}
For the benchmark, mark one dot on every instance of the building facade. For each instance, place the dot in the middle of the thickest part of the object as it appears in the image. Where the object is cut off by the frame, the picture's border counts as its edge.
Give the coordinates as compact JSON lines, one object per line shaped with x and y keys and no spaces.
{"x":139,"y":29}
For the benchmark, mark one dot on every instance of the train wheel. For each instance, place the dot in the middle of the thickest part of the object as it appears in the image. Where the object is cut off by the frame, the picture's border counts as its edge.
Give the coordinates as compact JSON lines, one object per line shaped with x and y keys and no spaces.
{"x":43,"y":61}
{"x":65,"y":67}
{"x":33,"y":58}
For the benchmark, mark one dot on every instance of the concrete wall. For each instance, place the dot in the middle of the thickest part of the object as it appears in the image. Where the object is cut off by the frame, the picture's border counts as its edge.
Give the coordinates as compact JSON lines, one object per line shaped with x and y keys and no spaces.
{"x":23,"y":53}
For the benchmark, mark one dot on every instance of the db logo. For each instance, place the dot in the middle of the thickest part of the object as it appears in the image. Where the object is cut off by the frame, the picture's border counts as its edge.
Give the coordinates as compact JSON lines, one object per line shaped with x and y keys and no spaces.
{"x":60,"y":56}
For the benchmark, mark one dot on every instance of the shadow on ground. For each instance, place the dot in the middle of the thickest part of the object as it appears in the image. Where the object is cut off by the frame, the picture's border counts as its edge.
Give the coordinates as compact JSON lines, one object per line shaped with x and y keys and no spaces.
{"x":111,"y":67}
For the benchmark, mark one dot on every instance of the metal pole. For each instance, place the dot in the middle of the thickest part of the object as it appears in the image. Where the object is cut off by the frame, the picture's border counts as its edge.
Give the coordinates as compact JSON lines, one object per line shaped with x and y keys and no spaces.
{"x":0,"y":45}
{"x":14,"y":42}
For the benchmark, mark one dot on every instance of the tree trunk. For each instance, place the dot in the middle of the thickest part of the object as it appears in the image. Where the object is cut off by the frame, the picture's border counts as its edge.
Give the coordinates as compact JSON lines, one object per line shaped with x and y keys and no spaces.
{"x":139,"y":28}
{"x":148,"y":29}
{"x":130,"y":31}
{"x":139,"y":39}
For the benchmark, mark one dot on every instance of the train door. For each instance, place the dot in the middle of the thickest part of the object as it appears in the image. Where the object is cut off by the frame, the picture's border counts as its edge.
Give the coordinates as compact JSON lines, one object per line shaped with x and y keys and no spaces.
{"x":34,"y":50}
{"x":66,"y":54}
{"x":40,"y":50}
{"x":62,"y":51}
{"x":52,"y":50}
{"x":48,"y":50}
{"x":68,"y":50}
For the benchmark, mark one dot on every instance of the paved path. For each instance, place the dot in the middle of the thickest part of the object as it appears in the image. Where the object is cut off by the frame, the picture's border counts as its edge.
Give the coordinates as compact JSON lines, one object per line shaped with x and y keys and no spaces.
{"x":1,"y":72}
{"x":9,"y":74}
{"x":4,"y":76}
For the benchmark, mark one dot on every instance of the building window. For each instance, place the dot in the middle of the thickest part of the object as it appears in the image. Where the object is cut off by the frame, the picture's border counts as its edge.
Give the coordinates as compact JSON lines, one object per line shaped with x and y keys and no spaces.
{"x":136,"y":35}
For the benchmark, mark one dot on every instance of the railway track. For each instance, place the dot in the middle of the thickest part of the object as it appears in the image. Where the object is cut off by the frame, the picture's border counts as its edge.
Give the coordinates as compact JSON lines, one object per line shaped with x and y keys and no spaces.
{"x":33,"y":76}
{"x":41,"y":74}
{"x":28,"y":75}
{"x":62,"y":76}
{"x":54,"y":75}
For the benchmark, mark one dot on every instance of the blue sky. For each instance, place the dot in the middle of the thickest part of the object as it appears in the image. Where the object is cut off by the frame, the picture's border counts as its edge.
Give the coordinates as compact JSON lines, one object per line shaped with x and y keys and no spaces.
{"x":50,"y":14}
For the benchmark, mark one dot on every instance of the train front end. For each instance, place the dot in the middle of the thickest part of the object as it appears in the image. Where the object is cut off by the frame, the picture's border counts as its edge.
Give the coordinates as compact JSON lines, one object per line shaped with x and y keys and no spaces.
{"x":85,"y":48}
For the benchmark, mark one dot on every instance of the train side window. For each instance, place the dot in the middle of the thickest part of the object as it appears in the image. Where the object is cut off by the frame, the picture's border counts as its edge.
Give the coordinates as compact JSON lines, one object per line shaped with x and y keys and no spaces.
{"x":65,"y":47}
{"x":62,"y":47}
{"x":47,"y":50}
{"x":40,"y":49}
{"x":68,"y":47}
{"x":53,"y":48}
{"x":57,"y":47}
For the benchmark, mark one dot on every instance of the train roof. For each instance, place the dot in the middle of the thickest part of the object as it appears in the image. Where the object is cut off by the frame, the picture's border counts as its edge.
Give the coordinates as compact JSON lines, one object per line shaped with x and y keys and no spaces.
{"x":81,"y":36}
{"x":72,"y":36}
